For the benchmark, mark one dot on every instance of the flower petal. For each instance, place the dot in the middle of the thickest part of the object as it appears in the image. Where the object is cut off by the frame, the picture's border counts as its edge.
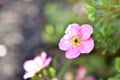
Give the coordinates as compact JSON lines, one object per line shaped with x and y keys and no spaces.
{"x":86,"y":31}
{"x":38,"y":60}
{"x":65,"y":43}
{"x":43,"y":55}
{"x":87,"y":46}
{"x":29,"y":65}
{"x":72,"y":53}
{"x":28,"y":75}
{"x":47,"y":62}
{"x":72,"y":29}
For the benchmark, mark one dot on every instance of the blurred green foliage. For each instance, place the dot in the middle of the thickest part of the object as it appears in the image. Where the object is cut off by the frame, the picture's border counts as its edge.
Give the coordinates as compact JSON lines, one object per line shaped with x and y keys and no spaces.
{"x":58,"y":19}
{"x":53,"y":33}
{"x":104,"y":16}
{"x":115,"y":78}
{"x":117,"y":64}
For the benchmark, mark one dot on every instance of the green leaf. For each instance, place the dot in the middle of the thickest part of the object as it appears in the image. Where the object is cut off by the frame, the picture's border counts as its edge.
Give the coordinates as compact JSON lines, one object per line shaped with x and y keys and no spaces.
{"x":91,"y":16}
{"x":106,"y":30}
{"x":117,"y":64}
{"x":114,"y":78}
{"x":99,"y":22}
{"x":117,"y":77}
{"x":90,"y":9}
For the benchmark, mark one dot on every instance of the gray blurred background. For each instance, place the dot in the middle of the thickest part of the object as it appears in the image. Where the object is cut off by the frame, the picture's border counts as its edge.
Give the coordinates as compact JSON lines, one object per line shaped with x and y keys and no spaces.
{"x":21,"y":22}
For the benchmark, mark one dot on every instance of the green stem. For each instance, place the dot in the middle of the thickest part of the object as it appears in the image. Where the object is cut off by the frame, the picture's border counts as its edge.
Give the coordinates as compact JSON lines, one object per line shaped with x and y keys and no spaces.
{"x":63,"y":69}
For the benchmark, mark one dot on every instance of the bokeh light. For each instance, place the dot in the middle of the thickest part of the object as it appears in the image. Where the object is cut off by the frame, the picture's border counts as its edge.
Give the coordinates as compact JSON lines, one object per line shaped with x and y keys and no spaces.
{"x":3,"y":50}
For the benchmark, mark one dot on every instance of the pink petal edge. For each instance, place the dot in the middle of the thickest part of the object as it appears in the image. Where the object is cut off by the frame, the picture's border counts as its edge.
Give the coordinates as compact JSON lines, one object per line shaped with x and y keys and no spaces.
{"x":47,"y":62}
{"x":87,"y":46}
{"x":64,"y":45}
{"x":72,"y":29}
{"x":43,"y":54}
{"x":86,"y":31}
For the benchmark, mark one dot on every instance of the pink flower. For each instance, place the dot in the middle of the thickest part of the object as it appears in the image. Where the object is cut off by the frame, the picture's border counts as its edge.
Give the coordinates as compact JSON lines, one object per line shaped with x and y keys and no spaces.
{"x":77,"y":40}
{"x":90,"y":78}
{"x":81,"y":73}
{"x":33,"y":66}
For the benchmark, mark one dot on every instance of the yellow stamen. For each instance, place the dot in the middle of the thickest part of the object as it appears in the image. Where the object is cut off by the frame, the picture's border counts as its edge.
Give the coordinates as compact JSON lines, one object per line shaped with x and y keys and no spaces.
{"x":76,"y":41}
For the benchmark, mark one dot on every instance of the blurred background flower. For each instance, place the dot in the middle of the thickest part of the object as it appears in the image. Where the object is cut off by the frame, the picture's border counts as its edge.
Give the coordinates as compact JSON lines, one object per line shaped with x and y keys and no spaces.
{"x":34,"y":66}
{"x":81,"y":73}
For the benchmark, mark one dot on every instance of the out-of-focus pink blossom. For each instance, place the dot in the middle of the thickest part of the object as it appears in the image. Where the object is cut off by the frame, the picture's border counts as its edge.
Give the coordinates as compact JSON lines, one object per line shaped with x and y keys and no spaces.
{"x":33,"y":66}
{"x":90,"y":78}
{"x":77,"y":40}
{"x":81,"y":73}
{"x":68,"y":76}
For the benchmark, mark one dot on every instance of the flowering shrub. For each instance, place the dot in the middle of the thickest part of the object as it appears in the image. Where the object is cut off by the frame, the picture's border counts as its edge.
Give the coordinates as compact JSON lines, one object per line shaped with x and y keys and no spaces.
{"x":77,"y":40}
{"x":104,"y":18}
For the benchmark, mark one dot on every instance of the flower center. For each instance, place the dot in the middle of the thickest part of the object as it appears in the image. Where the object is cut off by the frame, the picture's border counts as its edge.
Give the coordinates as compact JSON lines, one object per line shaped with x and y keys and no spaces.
{"x":76,"y":41}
